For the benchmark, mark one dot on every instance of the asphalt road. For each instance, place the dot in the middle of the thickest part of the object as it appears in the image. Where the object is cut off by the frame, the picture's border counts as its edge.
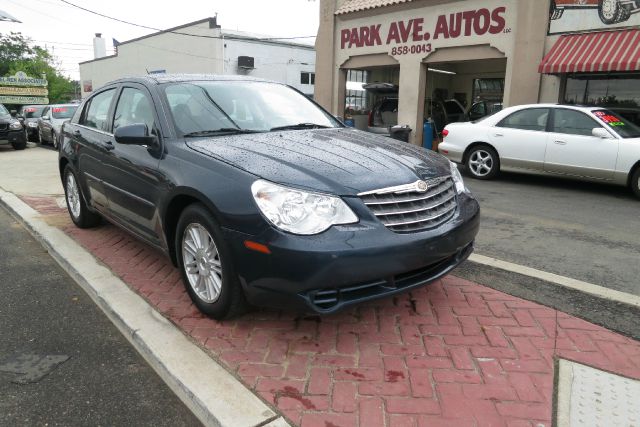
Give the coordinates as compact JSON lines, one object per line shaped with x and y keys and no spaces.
{"x":61,"y":360}
{"x":581,"y":230}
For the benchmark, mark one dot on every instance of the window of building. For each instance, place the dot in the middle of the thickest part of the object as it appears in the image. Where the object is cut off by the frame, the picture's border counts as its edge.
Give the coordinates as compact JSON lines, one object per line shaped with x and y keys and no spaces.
{"x":307,"y":78}
{"x":488,"y":89}
{"x":356,"y":96}
{"x":609,"y":90}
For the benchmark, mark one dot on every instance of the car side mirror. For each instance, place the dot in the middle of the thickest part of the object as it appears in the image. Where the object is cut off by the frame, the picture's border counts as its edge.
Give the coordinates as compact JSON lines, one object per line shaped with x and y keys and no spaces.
{"x":135,"y":134}
{"x":46,"y":117}
{"x":600,"y":133}
{"x":13,"y":113}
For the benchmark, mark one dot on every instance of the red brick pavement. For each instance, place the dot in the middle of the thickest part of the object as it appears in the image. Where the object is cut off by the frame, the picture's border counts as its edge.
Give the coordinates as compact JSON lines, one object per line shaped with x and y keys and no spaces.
{"x":454,"y":353}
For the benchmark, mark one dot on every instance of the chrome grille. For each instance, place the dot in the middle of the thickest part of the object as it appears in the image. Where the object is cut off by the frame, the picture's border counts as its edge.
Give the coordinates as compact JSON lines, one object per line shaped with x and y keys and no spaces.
{"x":405,"y":209}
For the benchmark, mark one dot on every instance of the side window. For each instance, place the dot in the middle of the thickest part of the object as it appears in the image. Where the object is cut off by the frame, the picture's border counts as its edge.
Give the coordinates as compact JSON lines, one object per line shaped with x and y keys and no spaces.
{"x":45,"y":111}
{"x":573,"y":122}
{"x":133,"y":107}
{"x":528,"y":119}
{"x":96,"y":113}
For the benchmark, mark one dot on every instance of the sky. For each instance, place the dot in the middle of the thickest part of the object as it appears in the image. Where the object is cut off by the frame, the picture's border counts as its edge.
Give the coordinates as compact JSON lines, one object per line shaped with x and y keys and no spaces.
{"x":68,"y":32}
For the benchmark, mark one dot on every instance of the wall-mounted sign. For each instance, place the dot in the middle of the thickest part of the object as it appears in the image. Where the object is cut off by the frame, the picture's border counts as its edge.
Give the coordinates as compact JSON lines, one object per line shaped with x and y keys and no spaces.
{"x":581,"y":15}
{"x":426,"y":31}
{"x":25,"y":100}
{"x":13,"y":90}
{"x":87,"y":86}
{"x":21,"y":79}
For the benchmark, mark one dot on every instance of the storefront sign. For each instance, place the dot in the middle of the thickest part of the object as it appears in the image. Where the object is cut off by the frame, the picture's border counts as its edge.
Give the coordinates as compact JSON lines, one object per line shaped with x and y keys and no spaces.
{"x":12,"y":90}
{"x":21,"y":79}
{"x":421,"y":34}
{"x":567,"y":16}
{"x":25,"y":100}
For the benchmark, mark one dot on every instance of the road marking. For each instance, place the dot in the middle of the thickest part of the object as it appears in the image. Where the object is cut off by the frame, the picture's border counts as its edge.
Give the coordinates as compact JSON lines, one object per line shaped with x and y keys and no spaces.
{"x":568,"y":282}
{"x":214,"y":395}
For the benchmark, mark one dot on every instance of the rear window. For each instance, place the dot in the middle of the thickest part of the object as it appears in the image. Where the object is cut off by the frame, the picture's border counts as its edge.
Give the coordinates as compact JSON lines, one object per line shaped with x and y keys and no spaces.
{"x":65,"y":112}
{"x":619,"y":124}
{"x":32,"y":112}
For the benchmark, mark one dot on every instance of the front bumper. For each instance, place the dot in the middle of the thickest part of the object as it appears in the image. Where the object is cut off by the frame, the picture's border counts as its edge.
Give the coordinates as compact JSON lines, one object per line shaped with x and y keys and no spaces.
{"x":12,"y":137}
{"x":351,"y":264}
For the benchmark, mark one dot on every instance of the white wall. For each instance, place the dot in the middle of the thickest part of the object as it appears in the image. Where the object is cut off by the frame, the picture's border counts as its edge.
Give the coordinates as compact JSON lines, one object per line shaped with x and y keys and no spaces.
{"x":174,"y":53}
{"x":282,"y":63}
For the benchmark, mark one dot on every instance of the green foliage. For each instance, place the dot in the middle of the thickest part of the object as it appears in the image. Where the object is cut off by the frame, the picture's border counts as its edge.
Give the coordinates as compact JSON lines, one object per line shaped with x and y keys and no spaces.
{"x":18,"y":54}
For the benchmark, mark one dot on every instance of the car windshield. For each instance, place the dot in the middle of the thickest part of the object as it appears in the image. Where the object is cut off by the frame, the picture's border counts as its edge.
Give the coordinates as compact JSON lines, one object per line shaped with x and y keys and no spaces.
{"x":3,"y":111}
{"x":199,"y":107}
{"x":63,"y":112}
{"x":621,"y":126}
{"x":32,"y":112}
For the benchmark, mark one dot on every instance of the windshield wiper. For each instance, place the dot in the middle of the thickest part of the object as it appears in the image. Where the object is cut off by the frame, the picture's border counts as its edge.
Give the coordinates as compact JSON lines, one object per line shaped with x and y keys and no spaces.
{"x":225,"y":131}
{"x":299,"y":126}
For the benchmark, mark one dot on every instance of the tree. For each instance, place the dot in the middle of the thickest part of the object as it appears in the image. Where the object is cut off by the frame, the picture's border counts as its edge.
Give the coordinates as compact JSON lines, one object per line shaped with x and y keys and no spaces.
{"x":17,"y":54}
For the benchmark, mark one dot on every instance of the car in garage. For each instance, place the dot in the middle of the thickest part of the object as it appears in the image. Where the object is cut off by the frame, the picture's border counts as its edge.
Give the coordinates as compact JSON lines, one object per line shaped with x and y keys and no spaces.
{"x":589,"y":143}
{"x":260,"y":196}
{"x":51,"y":121}
{"x":11,"y":130}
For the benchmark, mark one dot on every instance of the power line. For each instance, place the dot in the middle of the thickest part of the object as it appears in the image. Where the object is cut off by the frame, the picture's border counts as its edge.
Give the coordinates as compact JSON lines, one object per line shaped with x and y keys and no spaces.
{"x":173,"y":32}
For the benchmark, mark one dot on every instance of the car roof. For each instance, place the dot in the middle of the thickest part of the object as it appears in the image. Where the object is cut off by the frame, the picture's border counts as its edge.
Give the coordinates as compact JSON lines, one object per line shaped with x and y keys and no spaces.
{"x":62,"y":105}
{"x":175,"y":78}
{"x":549,"y":105}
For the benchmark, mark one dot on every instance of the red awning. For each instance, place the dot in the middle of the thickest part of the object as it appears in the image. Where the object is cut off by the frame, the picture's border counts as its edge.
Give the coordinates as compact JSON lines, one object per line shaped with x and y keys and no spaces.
{"x":594,"y":52}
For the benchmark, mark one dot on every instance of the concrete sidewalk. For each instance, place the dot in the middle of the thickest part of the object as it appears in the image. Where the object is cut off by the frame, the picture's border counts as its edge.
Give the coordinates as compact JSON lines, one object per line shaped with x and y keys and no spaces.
{"x":453,"y":353}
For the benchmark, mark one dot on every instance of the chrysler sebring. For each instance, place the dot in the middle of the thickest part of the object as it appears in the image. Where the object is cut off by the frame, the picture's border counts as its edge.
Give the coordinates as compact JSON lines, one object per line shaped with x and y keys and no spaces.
{"x":260,"y":196}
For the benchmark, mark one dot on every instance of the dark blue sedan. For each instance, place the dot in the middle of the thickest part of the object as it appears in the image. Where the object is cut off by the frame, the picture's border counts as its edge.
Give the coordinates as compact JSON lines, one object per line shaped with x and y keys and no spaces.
{"x":259,"y":196}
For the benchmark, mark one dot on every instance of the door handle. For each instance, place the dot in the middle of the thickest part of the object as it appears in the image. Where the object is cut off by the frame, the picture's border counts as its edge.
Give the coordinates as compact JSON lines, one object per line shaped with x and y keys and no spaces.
{"x":560,"y":142}
{"x":498,"y":134}
{"x":107,"y":145}
{"x":77,"y":133}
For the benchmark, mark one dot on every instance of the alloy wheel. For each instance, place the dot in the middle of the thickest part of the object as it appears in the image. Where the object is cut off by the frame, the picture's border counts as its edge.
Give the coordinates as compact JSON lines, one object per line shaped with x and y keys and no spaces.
{"x":481,"y":163}
{"x":202,"y":263}
{"x":73,"y":196}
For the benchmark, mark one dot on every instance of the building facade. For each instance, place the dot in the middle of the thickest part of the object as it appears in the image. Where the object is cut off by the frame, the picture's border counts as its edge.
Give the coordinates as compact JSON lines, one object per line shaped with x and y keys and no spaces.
{"x":509,"y":51}
{"x":204,"y":47}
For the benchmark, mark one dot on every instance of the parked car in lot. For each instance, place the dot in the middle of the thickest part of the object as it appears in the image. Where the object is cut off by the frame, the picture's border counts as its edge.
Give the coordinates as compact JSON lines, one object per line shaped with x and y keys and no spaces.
{"x":29,"y":115}
{"x":51,"y":120}
{"x":11,"y":130}
{"x":258,"y":195}
{"x":589,"y":143}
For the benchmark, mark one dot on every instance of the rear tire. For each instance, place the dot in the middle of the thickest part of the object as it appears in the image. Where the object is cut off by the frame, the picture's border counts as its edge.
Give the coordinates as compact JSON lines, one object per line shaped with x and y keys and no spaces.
{"x":206,"y":265}
{"x":54,"y":140}
{"x":635,"y":182}
{"x":482,"y":162}
{"x":80,"y":214}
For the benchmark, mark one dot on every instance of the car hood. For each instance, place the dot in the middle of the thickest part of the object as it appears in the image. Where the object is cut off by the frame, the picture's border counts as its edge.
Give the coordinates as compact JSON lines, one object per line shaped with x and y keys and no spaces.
{"x":339,"y":161}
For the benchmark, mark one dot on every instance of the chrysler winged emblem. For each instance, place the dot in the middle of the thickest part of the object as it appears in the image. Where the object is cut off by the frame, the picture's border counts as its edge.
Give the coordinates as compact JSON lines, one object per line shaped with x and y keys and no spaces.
{"x":421,"y":186}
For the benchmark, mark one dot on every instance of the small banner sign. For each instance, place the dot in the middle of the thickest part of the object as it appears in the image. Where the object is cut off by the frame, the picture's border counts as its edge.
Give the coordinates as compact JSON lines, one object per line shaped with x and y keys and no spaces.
{"x":35,"y":91}
{"x":25,"y":100}
{"x":21,"y":79}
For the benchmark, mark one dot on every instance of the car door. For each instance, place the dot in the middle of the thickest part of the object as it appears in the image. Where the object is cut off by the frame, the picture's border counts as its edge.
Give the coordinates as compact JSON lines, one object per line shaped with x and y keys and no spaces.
{"x":92,"y":139}
{"x":132,"y":178}
{"x":521,"y":138}
{"x":44,"y":123}
{"x":573,"y":150}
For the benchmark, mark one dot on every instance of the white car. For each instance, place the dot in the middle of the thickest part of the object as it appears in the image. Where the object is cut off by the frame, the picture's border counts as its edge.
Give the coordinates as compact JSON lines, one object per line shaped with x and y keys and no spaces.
{"x":589,"y":143}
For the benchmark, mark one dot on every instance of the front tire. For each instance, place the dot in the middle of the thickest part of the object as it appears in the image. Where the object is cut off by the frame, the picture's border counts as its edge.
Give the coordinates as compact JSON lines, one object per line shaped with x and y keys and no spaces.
{"x":54,"y":140}
{"x":612,"y":12}
{"x":80,"y":214}
{"x":635,"y":182}
{"x":482,"y":162}
{"x":206,"y":265}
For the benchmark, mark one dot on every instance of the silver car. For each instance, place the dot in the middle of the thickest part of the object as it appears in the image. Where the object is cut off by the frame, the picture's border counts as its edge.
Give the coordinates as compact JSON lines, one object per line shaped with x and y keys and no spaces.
{"x":589,"y":143}
{"x":50,"y":123}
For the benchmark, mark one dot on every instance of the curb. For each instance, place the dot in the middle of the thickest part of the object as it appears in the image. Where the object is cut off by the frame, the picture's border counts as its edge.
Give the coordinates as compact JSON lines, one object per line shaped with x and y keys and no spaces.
{"x":215,"y":396}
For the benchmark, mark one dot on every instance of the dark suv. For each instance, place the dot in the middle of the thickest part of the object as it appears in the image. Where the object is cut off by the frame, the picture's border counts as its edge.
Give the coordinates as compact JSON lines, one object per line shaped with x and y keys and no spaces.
{"x":259,"y":195}
{"x":11,"y":130}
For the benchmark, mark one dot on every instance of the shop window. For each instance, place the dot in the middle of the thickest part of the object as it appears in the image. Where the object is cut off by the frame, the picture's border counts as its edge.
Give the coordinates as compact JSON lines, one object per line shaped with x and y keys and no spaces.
{"x":307,"y":78}
{"x":356,"y":96}
{"x":573,"y":122}
{"x":527,"y":119}
{"x":488,"y":89}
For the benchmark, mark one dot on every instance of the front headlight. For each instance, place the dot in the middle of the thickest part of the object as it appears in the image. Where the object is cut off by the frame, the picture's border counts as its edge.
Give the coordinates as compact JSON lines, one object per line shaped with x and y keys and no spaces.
{"x":298,"y":211}
{"x":32,"y":124}
{"x":15,"y":125}
{"x":457,"y":178}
